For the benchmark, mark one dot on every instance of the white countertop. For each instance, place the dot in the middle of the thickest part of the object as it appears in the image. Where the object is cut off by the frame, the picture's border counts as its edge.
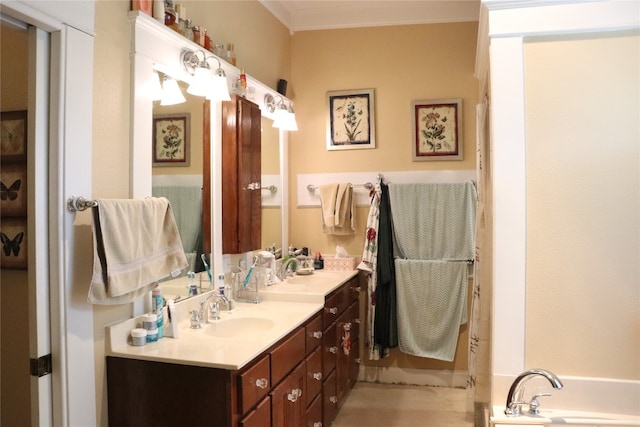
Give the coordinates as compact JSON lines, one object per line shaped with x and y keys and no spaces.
{"x":283,"y":307}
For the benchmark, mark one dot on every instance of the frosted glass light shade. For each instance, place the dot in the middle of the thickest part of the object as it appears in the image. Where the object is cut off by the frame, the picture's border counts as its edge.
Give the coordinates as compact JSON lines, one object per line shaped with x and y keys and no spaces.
{"x":171,"y":93}
{"x":201,"y":82}
{"x":219,"y":91}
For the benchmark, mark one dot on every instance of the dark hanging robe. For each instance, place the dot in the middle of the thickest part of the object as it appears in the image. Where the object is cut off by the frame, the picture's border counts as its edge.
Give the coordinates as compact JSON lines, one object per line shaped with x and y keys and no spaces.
{"x":385,"y":326}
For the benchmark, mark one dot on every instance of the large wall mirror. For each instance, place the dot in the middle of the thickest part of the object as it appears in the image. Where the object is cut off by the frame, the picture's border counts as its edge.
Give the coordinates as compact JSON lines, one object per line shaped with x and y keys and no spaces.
{"x":157,"y":49}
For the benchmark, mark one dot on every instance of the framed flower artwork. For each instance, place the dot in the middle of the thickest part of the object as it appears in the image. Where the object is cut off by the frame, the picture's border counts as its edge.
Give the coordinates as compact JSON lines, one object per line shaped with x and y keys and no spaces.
{"x":171,"y":139}
{"x":437,"y":129}
{"x":351,"y":119}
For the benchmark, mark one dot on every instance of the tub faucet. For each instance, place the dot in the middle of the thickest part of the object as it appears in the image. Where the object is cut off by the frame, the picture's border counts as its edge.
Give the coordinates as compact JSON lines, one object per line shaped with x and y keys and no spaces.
{"x":516,"y":392}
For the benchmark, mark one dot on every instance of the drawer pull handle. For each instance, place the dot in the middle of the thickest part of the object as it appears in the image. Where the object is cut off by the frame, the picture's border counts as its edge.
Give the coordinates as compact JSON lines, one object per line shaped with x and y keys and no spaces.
{"x":333,"y":399}
{"x":333,"y":349}
{"x":262,"y":383}
{"x":356,"y":288}
{"x":332,"y":310}
{"x":317,"y":334}
{"x":294,"y":395}
{"x":357,"y":321}
{"x":317,"y":424}
{"x":357,"y":360}
{"x":317,"y":376}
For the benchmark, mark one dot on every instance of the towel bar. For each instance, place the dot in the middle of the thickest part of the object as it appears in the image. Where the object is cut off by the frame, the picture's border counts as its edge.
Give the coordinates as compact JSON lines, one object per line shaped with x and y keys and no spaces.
{"x":366,"y":185}
{"x":75,"y":204}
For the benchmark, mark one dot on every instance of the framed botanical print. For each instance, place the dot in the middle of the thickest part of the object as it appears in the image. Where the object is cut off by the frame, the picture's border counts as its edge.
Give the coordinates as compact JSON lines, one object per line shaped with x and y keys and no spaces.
{"x":171,"y":145}
{"x":437,"y":129}
{"x":351,"y":119}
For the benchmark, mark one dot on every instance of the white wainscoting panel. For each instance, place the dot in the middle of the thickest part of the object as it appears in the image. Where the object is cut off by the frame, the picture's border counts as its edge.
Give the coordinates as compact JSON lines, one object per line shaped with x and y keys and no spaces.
{"x":306,"y":198}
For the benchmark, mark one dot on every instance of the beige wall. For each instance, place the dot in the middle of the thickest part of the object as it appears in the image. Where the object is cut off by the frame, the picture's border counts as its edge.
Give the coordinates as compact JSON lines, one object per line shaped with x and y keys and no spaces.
{"x":14,"y":313}
{"x":583,"y":206}
{"x":402,"y":64}
{"x":262,"y":43}
{"x":263,"y":51}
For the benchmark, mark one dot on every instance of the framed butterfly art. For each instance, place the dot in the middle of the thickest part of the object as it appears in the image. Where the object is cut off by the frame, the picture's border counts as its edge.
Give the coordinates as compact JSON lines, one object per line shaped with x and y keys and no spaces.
{"x":13,"y":238}
{"x":13,"y":190}
{"x":13,"y":136}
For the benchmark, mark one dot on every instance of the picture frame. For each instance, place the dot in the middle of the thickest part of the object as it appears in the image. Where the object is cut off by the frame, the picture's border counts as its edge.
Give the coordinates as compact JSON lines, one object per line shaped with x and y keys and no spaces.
{"x":13,"y":194}
{"x":351,"y":119}
{"x":13,"y":235}
{"x":171,"y":144}
{"x":13,"y":136}
{"x":437,"y":129}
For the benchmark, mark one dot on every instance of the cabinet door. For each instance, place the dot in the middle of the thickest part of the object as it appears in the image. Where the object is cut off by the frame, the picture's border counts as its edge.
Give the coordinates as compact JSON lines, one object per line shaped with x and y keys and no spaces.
{"x":241,"y":175}
{"x":249,"y":173}
{"x":288,"y":402}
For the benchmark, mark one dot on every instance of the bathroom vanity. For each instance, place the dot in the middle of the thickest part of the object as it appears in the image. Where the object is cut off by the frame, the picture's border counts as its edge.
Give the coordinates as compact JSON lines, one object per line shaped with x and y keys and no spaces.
{"x":287,"y":361}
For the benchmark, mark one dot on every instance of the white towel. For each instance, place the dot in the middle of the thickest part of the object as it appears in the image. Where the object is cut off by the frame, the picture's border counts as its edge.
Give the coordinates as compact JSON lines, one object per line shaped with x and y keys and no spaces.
{"x":136,"y":243}
{"x":432,"y":304}
{"x":338,"y":210}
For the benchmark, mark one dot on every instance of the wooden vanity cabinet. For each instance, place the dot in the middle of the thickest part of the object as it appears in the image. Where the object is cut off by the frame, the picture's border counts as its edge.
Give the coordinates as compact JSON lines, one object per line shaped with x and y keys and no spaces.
{"x":340,"y":347}
{"x":241,"y":176}
{"x":271,"y":391}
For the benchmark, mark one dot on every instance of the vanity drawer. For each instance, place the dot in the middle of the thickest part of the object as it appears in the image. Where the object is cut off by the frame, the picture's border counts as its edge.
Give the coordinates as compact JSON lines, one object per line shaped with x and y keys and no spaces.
{"x":329,"y":400}
{"x":314,"y":375}
{"x":254,"y":384}
{"x":313,"y":333}
{"x":287,"y":355}
{"x":329,"y":350}
{"x":314,"y":413}
{"x":260,"y":416}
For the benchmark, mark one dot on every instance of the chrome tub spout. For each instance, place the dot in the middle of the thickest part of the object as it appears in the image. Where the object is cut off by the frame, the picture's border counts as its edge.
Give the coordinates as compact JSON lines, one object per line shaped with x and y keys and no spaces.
{"x":516,"y":391}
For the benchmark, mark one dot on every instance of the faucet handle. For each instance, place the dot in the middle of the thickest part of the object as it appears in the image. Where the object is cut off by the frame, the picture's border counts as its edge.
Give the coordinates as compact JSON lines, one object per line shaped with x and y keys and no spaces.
{"x":195,"y":319}
{"x":534,"y":404}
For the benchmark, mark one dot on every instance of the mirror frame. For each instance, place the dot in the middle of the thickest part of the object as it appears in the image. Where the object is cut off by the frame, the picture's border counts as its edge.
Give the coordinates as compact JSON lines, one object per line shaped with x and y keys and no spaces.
{"x":155,"y":47}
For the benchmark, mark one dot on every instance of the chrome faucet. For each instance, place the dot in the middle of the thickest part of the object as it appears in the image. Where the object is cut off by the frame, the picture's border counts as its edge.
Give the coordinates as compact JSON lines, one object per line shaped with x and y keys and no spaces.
{"x":286,"y":269}
{"x":516,"y":392}
{"x":213,"y":313}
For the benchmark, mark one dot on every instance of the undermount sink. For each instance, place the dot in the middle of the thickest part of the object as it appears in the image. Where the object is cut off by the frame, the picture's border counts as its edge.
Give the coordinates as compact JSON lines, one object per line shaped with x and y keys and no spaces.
{"x":238,"y":326}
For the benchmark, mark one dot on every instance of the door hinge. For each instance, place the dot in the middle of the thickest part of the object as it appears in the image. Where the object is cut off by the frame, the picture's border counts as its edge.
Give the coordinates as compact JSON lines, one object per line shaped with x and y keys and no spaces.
{"x":41,"y":366}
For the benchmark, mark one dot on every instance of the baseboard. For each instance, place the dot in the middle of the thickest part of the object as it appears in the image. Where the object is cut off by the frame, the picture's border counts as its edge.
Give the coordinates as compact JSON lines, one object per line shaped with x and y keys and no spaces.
{"x":428,"y":377}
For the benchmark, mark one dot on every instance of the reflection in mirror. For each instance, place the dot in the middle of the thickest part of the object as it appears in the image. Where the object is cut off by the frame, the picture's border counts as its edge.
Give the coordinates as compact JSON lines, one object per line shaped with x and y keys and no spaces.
{"x":182,"y":184}
{"x":271,"y":200}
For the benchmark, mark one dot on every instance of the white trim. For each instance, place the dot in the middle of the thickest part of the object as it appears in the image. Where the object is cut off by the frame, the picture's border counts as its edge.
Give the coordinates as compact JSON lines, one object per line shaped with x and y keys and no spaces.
{"x":508,"y":29}
{"x":71,"y":135}
{"x":39,"y":298}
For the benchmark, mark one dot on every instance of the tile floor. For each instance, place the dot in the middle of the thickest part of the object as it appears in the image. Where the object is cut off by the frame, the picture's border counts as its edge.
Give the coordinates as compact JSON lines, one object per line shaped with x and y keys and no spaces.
{"x":392,"y":405}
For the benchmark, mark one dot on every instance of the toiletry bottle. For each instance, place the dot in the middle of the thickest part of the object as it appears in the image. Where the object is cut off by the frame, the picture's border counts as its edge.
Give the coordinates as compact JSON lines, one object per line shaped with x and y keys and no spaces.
{"x":157,"y":303}
{"x":243,"y":79}
{"x":188,"y":32}
{"x":191,"y":284}
{"x":158,"y":10}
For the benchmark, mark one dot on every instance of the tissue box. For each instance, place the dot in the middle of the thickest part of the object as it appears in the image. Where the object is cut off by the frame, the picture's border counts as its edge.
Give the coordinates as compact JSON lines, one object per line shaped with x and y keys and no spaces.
{"x":340,"y":264}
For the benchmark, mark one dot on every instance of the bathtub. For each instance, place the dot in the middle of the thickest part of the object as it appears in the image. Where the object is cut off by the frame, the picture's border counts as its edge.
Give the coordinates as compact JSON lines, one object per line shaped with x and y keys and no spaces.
{"x":557,"y":417}
{"x":583,"y":402}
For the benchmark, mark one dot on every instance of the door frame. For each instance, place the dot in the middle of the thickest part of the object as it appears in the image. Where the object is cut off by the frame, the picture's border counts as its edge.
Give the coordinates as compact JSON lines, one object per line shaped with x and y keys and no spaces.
{"x":68,"y":395}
